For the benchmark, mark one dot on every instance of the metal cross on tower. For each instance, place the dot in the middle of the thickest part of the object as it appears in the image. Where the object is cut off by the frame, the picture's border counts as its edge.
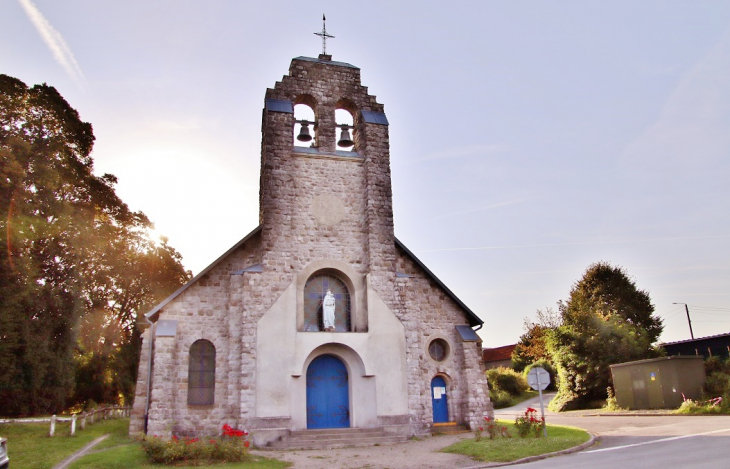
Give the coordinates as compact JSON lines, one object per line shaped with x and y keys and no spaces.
{"x":323,"y":34}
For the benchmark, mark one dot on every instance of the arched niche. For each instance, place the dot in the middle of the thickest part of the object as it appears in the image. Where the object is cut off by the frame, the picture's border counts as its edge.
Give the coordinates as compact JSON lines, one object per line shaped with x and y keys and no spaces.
{"x":354,"y":282}
{"x":320,"y":288}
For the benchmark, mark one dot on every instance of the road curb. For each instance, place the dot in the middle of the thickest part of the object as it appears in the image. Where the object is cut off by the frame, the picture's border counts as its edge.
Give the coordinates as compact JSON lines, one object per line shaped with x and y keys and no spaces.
{"x":82,"y":452}
{"x":593,"y":439}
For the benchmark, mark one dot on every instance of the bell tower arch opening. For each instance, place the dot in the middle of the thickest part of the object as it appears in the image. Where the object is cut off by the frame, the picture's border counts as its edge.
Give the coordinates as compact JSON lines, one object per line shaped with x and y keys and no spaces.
{"x":305,"y":121}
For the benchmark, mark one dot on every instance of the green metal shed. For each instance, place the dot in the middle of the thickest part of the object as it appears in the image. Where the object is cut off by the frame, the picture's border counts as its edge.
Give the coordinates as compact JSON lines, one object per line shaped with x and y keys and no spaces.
{"x":658,"y":383}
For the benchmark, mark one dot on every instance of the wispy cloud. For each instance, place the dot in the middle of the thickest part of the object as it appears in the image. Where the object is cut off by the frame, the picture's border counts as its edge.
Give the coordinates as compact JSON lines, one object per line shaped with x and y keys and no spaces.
{"x":54,"y":41}
{"x":574,"y":243}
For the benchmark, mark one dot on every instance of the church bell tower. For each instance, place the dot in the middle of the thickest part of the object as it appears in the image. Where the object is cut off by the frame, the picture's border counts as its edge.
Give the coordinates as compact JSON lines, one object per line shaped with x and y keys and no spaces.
{"x":323,"y":201}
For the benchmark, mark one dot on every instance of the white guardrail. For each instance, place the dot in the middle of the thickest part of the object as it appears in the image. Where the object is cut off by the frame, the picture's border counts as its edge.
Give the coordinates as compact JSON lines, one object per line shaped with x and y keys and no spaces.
{"x":84,"y":418}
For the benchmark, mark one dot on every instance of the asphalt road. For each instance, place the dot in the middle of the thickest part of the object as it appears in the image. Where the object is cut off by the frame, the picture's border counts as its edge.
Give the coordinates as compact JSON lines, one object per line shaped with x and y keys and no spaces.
{"x":639,"y":441}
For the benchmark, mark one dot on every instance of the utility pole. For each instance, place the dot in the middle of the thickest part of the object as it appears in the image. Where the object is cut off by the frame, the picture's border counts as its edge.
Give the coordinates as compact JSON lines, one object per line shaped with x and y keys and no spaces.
{"x":686,"y":308}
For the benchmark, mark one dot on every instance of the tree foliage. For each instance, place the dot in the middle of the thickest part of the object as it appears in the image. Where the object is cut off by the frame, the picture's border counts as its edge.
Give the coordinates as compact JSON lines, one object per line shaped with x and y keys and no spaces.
{"x":73,"y":257}
{"x":606,"y":320}
{"x":533,"y":346}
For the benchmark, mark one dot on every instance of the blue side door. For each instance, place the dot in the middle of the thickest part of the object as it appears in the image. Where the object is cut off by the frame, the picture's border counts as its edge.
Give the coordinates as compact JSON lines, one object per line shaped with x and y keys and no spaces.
{"x":328,"y":400}
{"x":439,"y":400}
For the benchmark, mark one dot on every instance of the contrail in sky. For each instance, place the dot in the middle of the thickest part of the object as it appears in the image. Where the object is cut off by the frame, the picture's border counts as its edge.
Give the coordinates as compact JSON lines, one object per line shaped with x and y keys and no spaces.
{"x":54,"y":41}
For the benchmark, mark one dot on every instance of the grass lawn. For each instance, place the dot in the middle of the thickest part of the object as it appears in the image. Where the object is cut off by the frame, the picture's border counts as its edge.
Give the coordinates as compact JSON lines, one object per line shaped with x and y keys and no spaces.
{"x":511,"y":449}
{"x":131,"y":455}
{"x":29,"y":445}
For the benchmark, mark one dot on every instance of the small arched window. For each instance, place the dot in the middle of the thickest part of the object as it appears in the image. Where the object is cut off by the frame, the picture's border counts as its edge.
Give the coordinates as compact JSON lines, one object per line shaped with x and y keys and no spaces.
{"x":315,"y":293}
{"x":201,"y":373}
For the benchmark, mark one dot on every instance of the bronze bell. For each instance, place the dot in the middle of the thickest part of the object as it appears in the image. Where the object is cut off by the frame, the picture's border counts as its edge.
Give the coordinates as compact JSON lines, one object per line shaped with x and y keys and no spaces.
{"x":304,"y":132}
{"x":345,"y":139}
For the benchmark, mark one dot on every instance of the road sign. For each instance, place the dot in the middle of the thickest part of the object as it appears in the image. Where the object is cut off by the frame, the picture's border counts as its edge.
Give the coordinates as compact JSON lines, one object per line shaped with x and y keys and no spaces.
{"x":538,"y":378}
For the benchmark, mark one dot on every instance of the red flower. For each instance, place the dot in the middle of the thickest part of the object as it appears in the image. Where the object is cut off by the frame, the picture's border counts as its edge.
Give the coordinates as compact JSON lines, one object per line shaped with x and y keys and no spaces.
{"x":212,"y":442}
{"x":246,"y":443}
{"x":481,"y":429}
{"x":530,"y":409}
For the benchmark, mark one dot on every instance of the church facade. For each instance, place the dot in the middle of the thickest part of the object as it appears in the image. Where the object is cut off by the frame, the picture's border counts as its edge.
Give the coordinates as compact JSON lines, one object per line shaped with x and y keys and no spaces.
{"x":320,"y":317}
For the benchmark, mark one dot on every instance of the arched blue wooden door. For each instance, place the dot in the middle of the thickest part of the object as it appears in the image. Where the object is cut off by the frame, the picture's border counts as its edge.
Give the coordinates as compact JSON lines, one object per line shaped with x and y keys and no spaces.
{"x":328,"y":400}
{"x":439,"y":400}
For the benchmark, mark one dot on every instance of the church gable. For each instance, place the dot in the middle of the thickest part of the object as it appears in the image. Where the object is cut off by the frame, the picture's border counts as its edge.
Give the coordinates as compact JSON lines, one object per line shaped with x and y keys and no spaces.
{"x":322,"y":289}
{"x":244,"y":256}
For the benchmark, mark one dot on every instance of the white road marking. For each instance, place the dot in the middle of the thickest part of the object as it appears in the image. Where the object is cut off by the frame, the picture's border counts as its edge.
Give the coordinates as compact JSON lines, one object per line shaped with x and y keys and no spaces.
{"x":656,"y":441}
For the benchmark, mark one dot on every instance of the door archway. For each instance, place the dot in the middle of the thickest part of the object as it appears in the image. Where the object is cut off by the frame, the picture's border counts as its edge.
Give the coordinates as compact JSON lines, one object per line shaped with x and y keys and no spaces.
{"x":328,"y":393}
{"x":439,"y":400}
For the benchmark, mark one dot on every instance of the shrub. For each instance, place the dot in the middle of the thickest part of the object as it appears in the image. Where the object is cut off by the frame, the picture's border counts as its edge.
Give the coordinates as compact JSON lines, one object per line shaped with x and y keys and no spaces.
{"x":529,"y":424}
{"x":611,"y":402}
{"x":499,"y":398}
{"x":232,"y":446}
{"x":506,"y":380}
{"x":717,"y":384}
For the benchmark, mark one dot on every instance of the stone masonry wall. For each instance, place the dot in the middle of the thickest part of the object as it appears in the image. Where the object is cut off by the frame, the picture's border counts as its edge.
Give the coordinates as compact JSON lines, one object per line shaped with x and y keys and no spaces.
{"x":427,"y":312}
{"x":203,"y":311}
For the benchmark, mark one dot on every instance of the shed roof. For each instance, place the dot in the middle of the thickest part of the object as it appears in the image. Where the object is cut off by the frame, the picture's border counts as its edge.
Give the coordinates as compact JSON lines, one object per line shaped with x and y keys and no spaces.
{"x":699,"y":339}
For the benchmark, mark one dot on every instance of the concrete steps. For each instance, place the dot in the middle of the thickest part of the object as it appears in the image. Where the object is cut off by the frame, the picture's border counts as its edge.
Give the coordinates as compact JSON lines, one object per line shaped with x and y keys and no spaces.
{"x":336,"y":438}
{"x":448,"y":428}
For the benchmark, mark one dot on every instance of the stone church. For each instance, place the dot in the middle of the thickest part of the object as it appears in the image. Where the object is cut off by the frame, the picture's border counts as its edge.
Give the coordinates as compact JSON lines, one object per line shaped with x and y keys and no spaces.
{"x":320,"y":318}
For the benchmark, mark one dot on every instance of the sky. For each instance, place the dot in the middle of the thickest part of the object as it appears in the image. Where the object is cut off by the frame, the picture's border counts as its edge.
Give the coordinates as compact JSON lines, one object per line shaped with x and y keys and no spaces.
{"x":529,"y":139}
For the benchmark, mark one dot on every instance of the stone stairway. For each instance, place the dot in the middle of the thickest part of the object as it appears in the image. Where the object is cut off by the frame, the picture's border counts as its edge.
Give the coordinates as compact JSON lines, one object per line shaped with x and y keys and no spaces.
{"x":336,"y":438}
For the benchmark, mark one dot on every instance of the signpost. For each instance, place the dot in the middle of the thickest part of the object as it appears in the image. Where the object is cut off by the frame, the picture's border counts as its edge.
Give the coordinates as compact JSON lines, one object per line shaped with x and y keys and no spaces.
{"x":539,"y":379}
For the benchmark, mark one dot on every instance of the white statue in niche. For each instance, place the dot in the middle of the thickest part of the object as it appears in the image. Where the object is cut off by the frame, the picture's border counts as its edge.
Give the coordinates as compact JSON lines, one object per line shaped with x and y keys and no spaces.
{"x":328,"y":311}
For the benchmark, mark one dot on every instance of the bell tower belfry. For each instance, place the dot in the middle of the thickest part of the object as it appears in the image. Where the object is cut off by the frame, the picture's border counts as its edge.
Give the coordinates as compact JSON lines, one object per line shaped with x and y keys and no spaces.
{"x":320,"y":201}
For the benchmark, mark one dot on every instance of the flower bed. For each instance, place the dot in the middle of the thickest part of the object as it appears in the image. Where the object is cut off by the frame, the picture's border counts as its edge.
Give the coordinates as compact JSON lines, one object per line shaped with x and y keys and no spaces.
{"x":231,"y":446}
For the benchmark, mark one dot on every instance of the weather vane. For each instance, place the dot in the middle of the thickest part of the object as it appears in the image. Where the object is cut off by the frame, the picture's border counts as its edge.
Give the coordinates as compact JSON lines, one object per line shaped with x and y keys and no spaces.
{"x":324,"y":35}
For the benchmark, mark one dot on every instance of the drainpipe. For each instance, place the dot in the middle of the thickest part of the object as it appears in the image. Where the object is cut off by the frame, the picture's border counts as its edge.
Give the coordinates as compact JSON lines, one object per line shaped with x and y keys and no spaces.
{"x":149,"y":378}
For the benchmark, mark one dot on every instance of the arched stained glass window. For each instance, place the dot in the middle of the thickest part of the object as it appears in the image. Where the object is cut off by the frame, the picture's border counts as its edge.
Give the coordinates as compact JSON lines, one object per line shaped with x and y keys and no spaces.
{"x":201,"y":373}
{"x":315,"y":291}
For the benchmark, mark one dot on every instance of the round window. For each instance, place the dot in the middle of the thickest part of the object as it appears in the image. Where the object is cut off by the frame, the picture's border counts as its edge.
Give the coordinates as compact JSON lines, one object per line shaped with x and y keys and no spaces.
{"x":438,"y":349}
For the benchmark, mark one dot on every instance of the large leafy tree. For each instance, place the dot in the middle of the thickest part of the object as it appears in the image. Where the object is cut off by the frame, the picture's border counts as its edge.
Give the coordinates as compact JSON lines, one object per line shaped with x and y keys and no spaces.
{"x":70,"y":251}
{"x":606,"y":320}
{"x":533,"y":344}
